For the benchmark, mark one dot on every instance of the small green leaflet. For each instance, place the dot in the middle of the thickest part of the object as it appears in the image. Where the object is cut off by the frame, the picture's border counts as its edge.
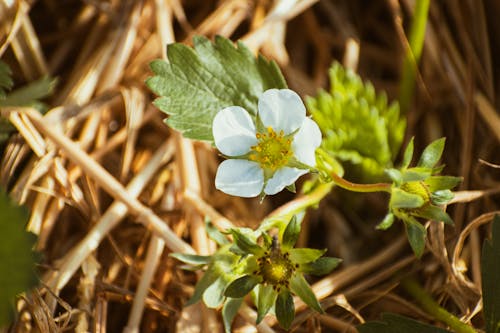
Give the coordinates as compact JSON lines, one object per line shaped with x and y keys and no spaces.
{"x":490,"y":272}
{"x":5,"y":79}
{"x":392,"y":323}
{"x":198,"y":82}
{"x":17,"y":260}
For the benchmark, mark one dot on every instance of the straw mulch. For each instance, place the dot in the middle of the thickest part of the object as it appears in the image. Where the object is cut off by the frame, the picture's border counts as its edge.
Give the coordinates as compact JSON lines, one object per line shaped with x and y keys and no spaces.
{"x":112,"y":190}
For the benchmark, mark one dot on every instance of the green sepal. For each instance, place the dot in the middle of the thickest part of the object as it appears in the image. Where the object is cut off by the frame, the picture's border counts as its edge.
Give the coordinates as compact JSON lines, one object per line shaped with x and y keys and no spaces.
{"x":434,"y":213}
{"x":215,"y":234}
{"x":285,"y":309}
{"x":432,"y":154}
{"x":244,"y":243}
{"x":416,"y":174}
{"x":416,"y":235}
{"x":291,"y":234}
{"x":267,"y":297}
{"x":322,"y":266}
{"x":214,"y":294}
{"x":206,"y":280}
{"x":291,"y":188}
{"x":402,"y":199}
{"x":439,"y":183}
{"x":192,"y":259}
{"x":408,"y":155}
{"x":439,"y":198}
{"x":241,"y":286}
{"x":229,"y":311}
{"x":395,"y":175}
{"x":386,"y":222}
{"x":305,"y":255}
{"x":300,"y":287}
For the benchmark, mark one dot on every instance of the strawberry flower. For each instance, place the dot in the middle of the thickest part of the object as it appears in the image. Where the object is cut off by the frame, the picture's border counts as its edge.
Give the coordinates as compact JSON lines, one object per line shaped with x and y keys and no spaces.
{"x":270,"y":153}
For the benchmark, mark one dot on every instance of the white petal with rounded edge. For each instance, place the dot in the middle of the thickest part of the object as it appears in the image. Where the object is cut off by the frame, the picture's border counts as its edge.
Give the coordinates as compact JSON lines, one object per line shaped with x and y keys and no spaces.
{"x":282,"y":109}
{"x":233,"y":131}
{"x":240,"y":178}
{"x":282,"y":178}
{"x":305,"y":142}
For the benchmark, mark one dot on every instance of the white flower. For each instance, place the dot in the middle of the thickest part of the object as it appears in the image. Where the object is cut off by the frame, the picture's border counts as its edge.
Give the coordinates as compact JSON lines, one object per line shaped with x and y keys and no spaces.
{"x":267,"y":156}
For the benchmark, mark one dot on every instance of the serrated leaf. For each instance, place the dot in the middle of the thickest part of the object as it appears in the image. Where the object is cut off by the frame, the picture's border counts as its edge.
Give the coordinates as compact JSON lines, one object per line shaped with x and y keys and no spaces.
{"x":432,"y":154}
{"x":17,"y":260}
{"x":416,"y":235}
{"x":359,"y":127}
{"x":198,"y":82}
{"x":490,"y":273}
{"x":192,"y":259}
{"x":30,"y":93}
{"x":266,"y":299}
{"x":408,"y":155}
{"x":321,"y":266}
{"x":386,"y":222}
{"x":6,"y":82}
{"x":402,"y":199}
{"x":229,"y":311}
{"x":285,"y":309}
{"x":241,"y":286}
{"x":300,"y":287}
{"x":438,"y":183}
{"x":305,"y":255}
{"x":393,"y":323}
{"x":291,"y":234}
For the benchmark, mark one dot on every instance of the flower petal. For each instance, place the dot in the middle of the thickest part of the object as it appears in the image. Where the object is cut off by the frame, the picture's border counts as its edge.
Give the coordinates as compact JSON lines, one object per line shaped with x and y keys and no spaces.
{"x":233,"y":131}
{"x":240,"y":178}
{"x":282,"y":109}
{"x":282,"y":178}
{"x":305,"y":142}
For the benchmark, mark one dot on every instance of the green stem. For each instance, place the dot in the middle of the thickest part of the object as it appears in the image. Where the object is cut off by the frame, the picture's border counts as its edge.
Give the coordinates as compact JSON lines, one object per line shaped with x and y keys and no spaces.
{"x":413,"y":53}
{"x":345,"y":184}
{"x":433,"y":308}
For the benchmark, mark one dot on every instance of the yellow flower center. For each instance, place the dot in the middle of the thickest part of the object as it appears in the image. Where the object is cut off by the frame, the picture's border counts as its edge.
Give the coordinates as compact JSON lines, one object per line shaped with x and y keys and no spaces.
{"x":275,"y":267}
{"x":273,"y":150}
{"x":419,"y":188}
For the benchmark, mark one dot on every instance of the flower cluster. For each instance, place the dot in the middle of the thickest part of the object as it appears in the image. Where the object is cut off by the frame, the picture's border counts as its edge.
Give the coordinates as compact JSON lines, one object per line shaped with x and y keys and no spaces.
{"x":268,"y":153}
{"x":269,"y":267}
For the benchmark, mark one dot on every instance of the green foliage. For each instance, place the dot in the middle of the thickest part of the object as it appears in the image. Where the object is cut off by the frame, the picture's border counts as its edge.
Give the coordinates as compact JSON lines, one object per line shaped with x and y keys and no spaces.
{"x":490,"y":273}
{"x":418,"y":192}
{"x":392,"y":323}
{"x":359,"y":128}
{"x":198,"y":82}
{"x":17,"y":260}
{"x":6,"y":82}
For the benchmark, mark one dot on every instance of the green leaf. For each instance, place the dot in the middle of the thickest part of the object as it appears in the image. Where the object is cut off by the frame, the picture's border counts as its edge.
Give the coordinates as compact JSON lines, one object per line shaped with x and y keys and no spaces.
{"x":215,"y":234}
{"x":192,"y":259}
{"x":291,"y":233}
{"x":386,"y":222}
{"x":432,"y":153}
{"x":360,"y":128}
{"x":441,"y":197}
{"x":229,"y":311}
{"x":393,"y":323}
{"x":305,"y":255}
{"x":402,"y":199}
{"x":490,"y":273}
{"x":321,"y":266}
{"x":300,"y":287}
{"x":245,"y":243}
{"x":241,"y":286}
{"x":266,"y":299}
{"x":206,"y":281}
{"x":438,"y":183}
{"x":408,"y":155}
{"x":17,"y":260}
{"x":434,"y":213}
{"x":30,"y":93}
{"x":198,"y":82}
{"x":285,"y":309}
{"x":416,"y":235}
{"x":6,"y":82}
{"x":395,"y":175}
